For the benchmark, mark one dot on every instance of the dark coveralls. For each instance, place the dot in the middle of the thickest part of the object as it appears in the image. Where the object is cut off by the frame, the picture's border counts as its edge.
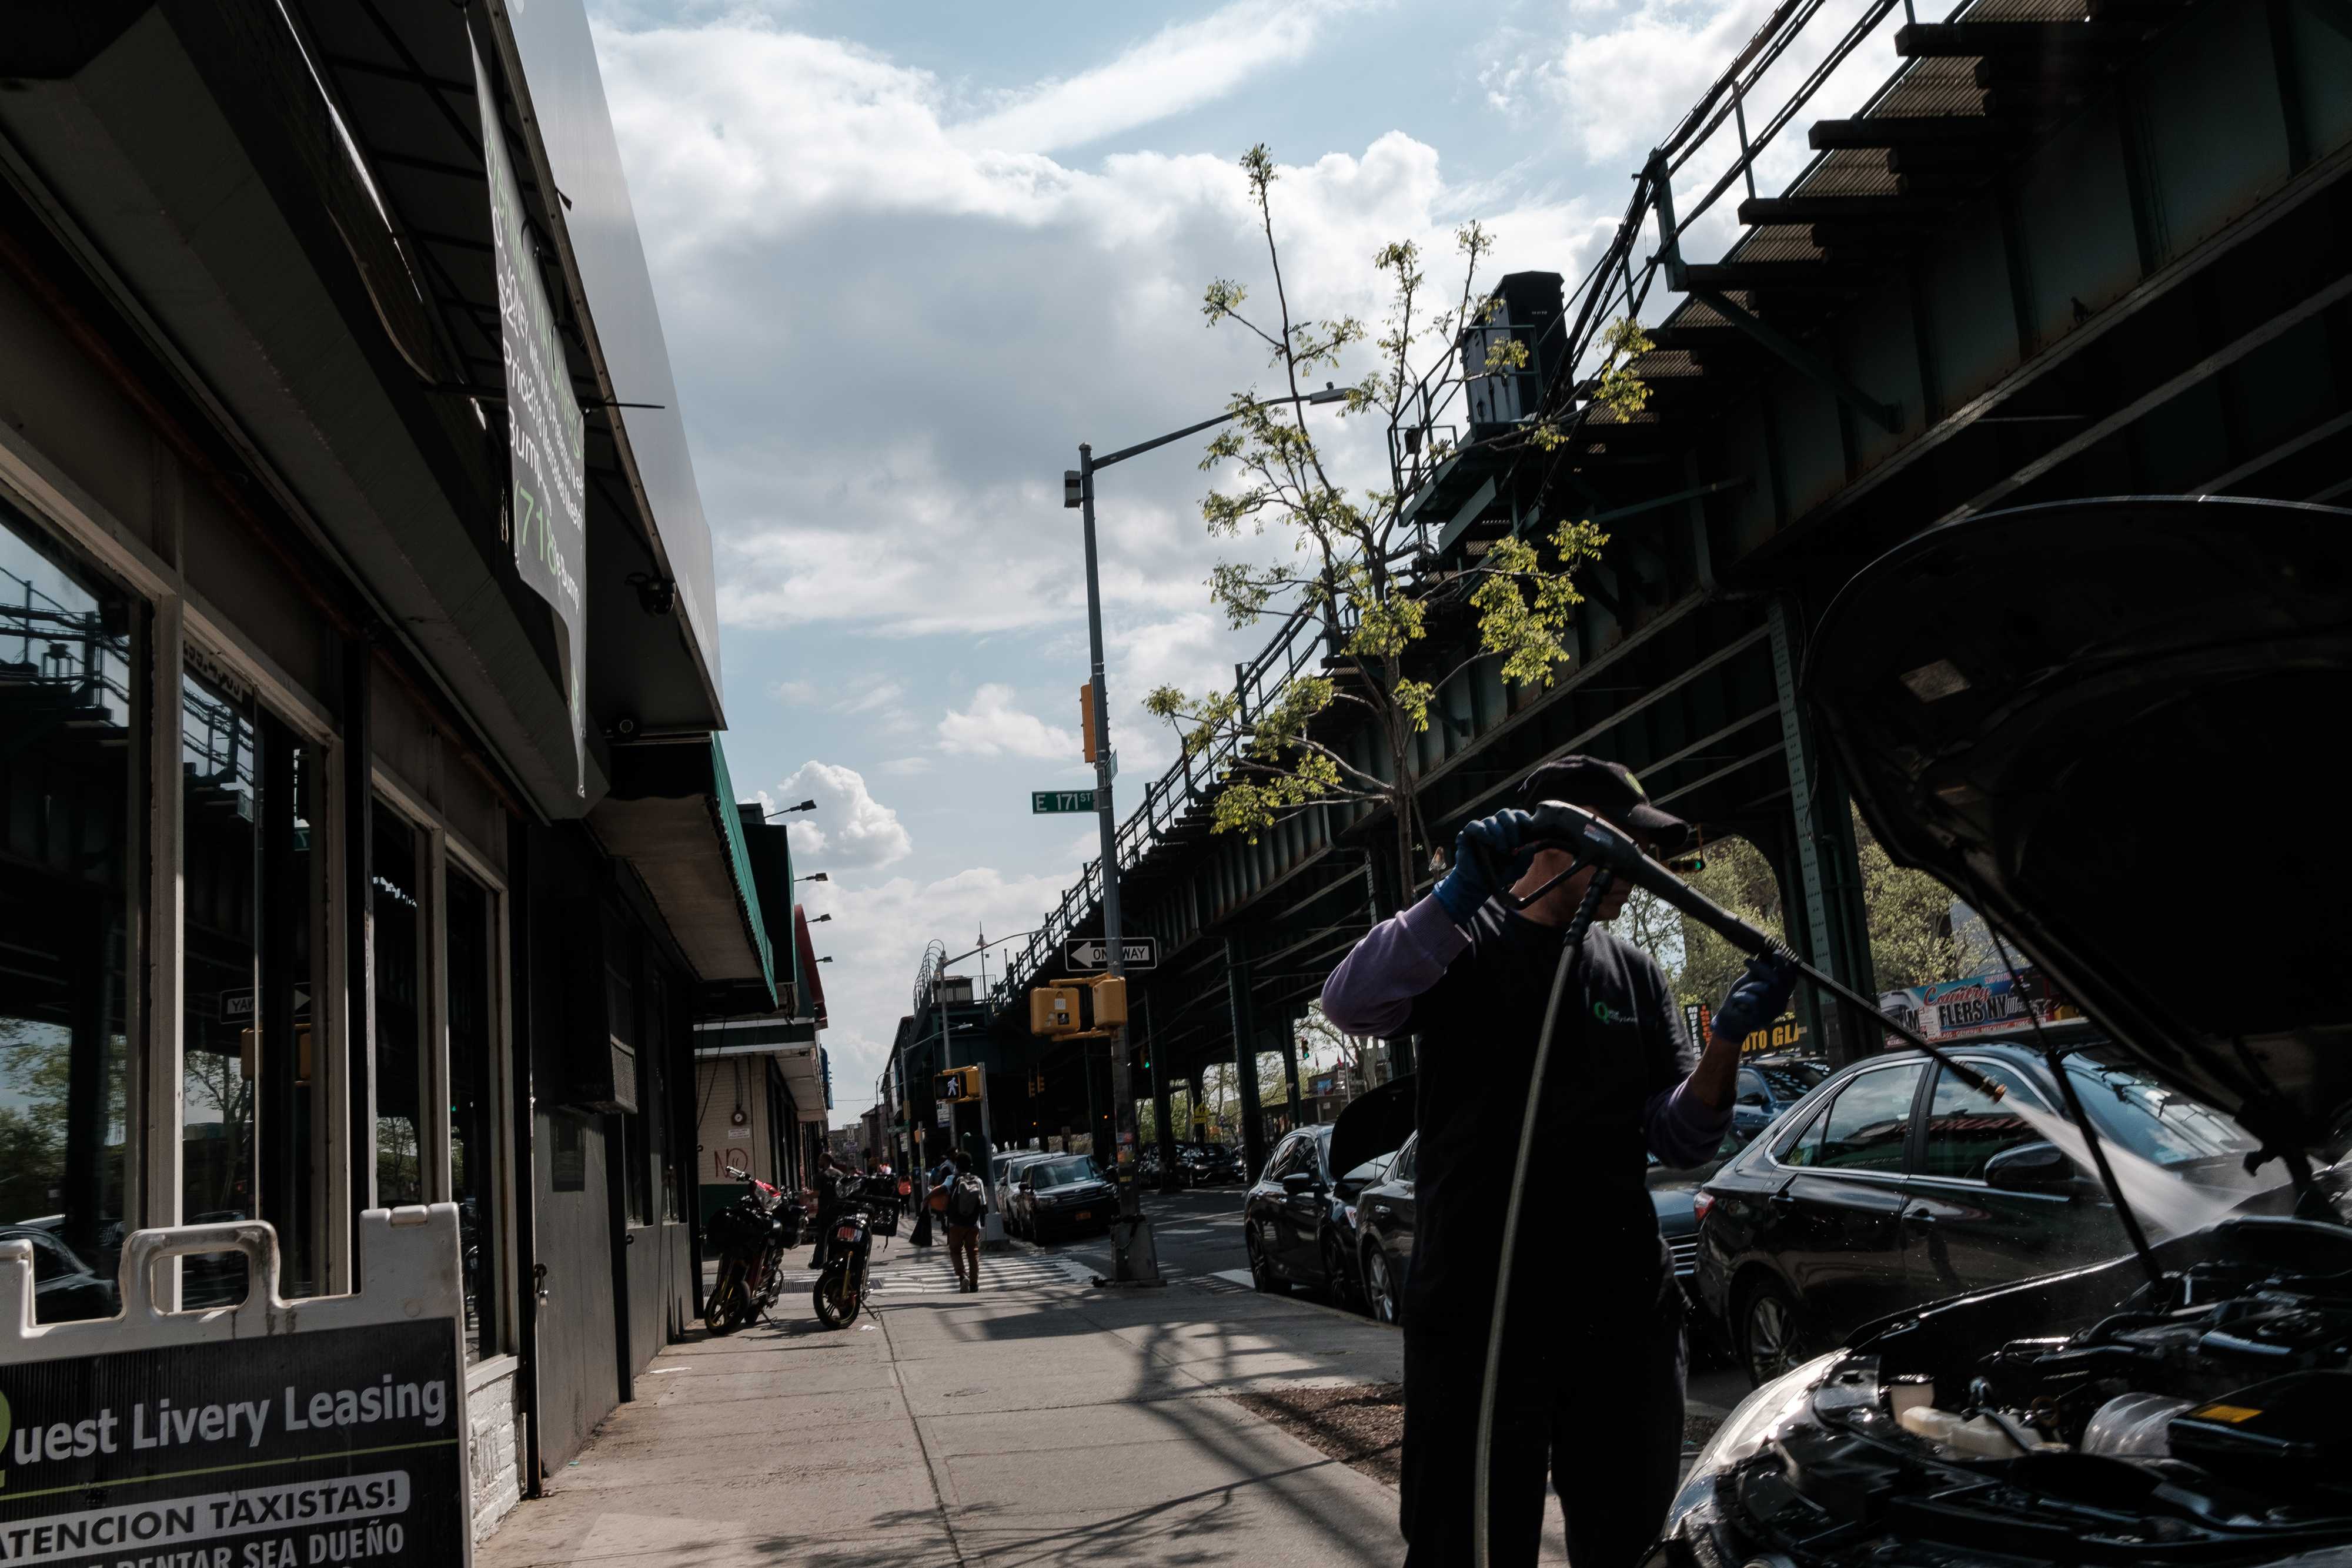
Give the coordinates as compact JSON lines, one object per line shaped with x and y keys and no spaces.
{"x":1593,"y":1359}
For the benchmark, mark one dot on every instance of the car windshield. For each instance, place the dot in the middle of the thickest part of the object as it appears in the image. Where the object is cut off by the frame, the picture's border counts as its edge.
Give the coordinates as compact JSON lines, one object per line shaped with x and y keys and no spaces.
{"x":1062,"y":1173}
{"x":2157,"y":1124}
{"x":1790,"y":1080}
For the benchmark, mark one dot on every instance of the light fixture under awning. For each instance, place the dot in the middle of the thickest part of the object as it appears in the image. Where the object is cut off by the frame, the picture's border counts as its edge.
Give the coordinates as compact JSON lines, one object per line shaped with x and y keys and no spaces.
{"x":671,"y":815}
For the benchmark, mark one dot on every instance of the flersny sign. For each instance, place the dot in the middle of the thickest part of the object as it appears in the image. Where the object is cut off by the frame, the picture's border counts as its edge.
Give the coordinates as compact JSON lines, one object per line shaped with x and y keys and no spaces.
{"x":543,"y":423}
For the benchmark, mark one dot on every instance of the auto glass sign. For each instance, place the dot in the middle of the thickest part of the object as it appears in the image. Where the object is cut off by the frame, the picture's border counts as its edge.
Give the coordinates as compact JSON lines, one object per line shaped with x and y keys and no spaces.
{"x":325,"y":1447}
{"x":544,"y":428}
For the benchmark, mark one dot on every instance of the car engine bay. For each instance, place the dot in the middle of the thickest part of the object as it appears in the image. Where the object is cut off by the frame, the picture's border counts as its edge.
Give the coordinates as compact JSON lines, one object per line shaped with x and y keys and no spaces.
{"x":2200,"y":1418}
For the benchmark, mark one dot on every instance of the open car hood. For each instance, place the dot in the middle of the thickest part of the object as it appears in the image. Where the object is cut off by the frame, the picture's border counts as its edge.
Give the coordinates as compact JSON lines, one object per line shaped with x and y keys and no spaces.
{"x":2106,"y":724}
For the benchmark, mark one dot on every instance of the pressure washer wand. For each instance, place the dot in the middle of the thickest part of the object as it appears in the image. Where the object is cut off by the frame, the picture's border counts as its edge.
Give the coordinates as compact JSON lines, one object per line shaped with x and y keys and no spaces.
{"x":1591,"y":840}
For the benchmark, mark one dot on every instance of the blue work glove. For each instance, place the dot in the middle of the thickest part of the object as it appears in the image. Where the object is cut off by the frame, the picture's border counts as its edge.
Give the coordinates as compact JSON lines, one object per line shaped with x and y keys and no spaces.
{"x":1757,"y":996}
{"x":1497,"y":841}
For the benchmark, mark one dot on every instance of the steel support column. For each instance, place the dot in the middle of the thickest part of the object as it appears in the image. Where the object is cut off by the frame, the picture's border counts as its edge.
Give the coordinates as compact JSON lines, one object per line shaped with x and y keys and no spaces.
{"x":1238,"y":992}
{"x":1290,"y":1063}
{"x":1831,"y":925}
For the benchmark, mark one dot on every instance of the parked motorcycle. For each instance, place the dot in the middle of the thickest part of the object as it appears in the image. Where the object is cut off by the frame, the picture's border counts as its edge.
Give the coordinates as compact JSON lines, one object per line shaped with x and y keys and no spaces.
{"x":750,"y":1234}
{"x":866,"y":1207}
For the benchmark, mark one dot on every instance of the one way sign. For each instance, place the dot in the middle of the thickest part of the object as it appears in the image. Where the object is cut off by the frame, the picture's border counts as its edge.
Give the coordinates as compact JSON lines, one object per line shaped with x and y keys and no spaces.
{"x":1094,"y":953}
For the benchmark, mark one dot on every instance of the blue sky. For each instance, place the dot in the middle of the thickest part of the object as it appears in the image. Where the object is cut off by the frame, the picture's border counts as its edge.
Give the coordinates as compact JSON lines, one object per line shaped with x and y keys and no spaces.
{"x":909,"y":254}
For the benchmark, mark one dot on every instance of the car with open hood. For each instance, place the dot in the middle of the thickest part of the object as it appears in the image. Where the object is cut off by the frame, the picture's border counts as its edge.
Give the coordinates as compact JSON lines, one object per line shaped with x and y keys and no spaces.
{"x":2094,"y":722}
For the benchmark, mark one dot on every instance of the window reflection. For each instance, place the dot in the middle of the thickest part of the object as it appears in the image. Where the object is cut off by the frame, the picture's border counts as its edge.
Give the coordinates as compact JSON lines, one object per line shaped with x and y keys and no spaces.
{"x":66,"y":762}
{"x":399,"y":1015}
{"x":219,"y":1059}
{"x":473,"y":1067}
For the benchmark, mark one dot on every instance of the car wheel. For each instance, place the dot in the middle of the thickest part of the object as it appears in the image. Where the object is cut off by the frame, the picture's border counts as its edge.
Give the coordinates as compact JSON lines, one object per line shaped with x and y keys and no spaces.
{"x":1262,"y":1274}
{"x":1771,"y":1330}
{"x":1380,"y":1284}
{"x":1340,"y":1276}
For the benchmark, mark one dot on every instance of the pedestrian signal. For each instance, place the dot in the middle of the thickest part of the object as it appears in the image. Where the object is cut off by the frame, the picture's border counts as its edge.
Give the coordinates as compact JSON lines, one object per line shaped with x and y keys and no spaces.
{"x":958,"y":1083}
{"x":1053,"y":1009}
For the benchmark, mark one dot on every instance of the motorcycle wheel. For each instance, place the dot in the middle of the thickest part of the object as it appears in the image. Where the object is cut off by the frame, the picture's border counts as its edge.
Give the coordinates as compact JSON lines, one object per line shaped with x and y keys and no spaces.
{"x":774,"y":1283}
{"x":728,"y":1307}
{"x":836,"y":1299}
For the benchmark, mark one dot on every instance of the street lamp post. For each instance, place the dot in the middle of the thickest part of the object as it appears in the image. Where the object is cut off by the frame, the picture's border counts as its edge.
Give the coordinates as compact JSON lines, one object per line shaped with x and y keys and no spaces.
{"x":1134,"y":1260}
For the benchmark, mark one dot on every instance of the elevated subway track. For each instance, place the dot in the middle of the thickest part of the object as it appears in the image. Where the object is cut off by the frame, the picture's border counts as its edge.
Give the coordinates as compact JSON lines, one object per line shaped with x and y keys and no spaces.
{"x":2133,"y":277}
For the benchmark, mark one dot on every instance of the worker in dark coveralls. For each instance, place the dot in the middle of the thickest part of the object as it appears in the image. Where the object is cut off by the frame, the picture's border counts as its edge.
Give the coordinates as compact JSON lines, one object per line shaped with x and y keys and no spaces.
{"x":1593,"y":1357}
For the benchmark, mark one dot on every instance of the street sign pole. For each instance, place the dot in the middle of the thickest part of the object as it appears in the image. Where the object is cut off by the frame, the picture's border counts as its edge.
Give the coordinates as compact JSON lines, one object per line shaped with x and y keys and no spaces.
{"x":1134,"y":1258}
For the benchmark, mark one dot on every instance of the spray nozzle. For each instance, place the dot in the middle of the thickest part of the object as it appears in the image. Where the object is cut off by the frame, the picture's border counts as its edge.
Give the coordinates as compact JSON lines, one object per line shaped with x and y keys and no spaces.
{"x":1593,"y":841}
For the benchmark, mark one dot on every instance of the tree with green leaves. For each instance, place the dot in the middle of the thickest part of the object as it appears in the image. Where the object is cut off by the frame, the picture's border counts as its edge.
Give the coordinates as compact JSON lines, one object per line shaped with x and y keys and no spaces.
{"x":1358,"y":564}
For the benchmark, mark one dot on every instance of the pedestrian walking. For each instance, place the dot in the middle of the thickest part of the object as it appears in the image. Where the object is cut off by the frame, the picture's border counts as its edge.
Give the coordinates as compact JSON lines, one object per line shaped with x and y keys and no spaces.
{"x":967,"y":1206}
{"x":1593,"y":1358}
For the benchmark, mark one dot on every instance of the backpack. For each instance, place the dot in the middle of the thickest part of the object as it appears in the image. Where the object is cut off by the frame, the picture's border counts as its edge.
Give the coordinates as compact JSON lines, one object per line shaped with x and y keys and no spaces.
{"x":967,"y":1200}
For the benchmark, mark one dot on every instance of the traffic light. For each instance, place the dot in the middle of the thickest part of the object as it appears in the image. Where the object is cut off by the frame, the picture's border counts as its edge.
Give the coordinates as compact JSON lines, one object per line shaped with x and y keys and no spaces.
{"x":960,"y":1083}
{"x":1054,"y":1010}
{"x":1111,"y":1001}
{"x":1087,"y":719}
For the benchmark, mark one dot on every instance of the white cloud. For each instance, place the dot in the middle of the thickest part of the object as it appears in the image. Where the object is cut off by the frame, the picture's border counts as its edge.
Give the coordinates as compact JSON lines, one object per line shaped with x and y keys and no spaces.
{"x":877,"y":938}
{"x":849,"y":826}
{"x":1180,"y":67}
{"x":907,"y":767}
{"x":992,"y":726}
{"x":795,"y":694}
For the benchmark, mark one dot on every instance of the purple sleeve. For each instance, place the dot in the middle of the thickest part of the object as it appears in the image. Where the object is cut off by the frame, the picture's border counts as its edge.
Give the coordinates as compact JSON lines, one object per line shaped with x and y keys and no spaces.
{"x":1681,"y":1128}
{"x":1372,"y":990}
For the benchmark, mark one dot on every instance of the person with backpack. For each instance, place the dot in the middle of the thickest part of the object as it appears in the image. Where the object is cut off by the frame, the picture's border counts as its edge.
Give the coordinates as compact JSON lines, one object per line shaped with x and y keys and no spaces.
{"x":967,"y":1208}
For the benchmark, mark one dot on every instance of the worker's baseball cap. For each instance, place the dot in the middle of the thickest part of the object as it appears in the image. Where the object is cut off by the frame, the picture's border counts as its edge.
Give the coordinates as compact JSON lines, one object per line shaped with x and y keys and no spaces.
{"x":1607,"y":789}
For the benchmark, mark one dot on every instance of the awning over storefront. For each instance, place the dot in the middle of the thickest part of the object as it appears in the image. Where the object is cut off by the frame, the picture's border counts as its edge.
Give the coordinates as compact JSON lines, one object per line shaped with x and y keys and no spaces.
{"x":671,"y":814}
{"x":807,"y":1070}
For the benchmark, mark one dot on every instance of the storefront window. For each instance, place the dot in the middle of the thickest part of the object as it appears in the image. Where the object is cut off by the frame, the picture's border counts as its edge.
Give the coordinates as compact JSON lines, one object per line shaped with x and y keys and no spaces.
{"x":247,"y":1115}
{"x":219,"y":807}
{"x":473,"y":1067}
{"x":399,"y":1010}
{"x":66,"y":765}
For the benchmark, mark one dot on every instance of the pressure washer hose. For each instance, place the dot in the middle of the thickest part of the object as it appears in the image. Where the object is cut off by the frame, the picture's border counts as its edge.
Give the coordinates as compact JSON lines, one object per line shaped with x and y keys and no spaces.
{"x":1571,"y":952}
{"x":1595,"y":844}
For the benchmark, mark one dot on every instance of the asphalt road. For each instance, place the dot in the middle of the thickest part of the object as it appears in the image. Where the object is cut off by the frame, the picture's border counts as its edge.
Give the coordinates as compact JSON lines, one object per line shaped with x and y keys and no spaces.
{"x":1200,"y":1233}
{"x":1197,"y":1232}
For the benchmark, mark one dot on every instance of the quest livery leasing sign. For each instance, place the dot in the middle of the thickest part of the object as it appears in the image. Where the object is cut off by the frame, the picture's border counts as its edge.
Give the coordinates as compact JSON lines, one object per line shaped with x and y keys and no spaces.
{"x":550,"y":460}
{"x":327,"y":1447}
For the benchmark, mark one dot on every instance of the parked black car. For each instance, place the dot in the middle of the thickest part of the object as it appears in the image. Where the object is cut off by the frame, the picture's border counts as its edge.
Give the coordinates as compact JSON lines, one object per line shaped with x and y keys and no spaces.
{"x":1298,"y":1223}
{"x":1385,"y":1213}
{"x":1674,"y":1193}
{"x":2088,"y":720}
{"x":1065,"y":1196}
{"x":1895,"y":1184}
{"x":1214,"y":1165}
{"x":1768,"y":1085}
{"x":65,"y":1289}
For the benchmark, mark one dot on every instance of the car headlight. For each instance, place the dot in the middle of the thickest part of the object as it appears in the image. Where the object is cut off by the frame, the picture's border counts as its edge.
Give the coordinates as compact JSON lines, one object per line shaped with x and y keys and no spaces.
{"x":1785,"y":1401}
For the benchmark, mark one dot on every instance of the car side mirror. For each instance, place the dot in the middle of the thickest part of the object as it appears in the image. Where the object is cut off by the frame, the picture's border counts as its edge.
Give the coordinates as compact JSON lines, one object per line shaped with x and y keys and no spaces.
{"x":2030,"y":1167}
{"x":1298,"y":1183}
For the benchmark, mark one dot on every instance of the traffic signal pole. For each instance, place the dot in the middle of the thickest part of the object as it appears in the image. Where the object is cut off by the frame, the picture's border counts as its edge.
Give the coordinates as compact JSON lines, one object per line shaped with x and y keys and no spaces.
{"x":1134,"y":1260}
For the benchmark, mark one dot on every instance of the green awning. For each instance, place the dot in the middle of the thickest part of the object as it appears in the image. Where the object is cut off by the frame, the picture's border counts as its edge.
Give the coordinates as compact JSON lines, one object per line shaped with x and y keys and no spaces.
{"x":671,"y":814}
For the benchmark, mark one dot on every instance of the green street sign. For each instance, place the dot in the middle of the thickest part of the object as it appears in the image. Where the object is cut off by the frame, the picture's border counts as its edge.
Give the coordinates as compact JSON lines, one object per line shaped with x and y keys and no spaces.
{"x":1042,"y":801}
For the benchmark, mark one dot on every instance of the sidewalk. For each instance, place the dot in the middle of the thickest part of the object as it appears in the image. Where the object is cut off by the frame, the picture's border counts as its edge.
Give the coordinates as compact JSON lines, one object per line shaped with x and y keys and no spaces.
{"x":1041,"y":1422}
